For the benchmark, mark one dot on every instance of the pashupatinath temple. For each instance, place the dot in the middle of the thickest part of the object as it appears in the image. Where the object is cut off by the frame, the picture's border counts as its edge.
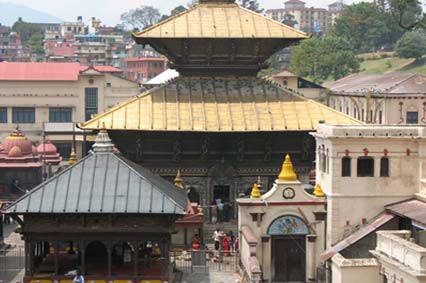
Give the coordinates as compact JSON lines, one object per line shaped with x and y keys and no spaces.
{"x":218,"y":123}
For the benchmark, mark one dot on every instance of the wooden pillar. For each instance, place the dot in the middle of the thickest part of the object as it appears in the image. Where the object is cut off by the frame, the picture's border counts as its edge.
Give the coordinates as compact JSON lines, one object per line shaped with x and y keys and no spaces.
{"x":31,"y":258}
{"x":56,"y":257}
{"x":185,"y":240}
{"x":109,"y":250}
{"x":136,"y":247}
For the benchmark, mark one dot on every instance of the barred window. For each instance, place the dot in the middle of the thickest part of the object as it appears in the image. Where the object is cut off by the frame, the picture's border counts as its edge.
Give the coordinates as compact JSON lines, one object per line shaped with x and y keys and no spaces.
{"x":60,"y":115}
{"x":3,"y":115}
{"x":23,"y":115}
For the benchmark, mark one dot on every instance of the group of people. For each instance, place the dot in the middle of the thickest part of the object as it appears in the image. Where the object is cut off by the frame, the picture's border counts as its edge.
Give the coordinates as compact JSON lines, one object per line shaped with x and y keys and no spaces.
{"x":220,"y":212}
{"x":226,"y":242}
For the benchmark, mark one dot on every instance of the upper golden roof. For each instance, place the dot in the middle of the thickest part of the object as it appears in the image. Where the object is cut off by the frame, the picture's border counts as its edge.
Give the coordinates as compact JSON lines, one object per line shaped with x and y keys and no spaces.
{"x":219,"y":19}
{"x":231,"y":104}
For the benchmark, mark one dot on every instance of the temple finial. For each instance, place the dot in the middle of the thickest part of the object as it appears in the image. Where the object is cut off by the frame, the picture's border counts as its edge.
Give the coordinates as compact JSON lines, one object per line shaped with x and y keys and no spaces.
{"x":255,"y":192}
{"x":287,"y":171}
{"x":73,"y":157}
{"x":179,"y":180}
{"x":318,"y":192}
{"x":103,"y":143}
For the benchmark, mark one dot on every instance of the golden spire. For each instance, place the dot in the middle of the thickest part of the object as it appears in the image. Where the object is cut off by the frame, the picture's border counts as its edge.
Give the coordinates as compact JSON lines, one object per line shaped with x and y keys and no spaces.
{"x":73,"y":157}
{"x":318,"y":192}
{"x":179,"y":180}
{"x":255,"y":192}
{"x":287,"y":171}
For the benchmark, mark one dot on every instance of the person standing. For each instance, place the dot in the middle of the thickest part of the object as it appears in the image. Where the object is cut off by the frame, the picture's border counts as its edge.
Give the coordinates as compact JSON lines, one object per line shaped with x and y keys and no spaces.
{"x":216,"y":238}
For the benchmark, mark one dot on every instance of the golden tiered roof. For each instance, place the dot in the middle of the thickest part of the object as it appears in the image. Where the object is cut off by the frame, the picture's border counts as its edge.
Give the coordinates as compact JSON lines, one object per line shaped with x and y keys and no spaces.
{"x":226,"y":104}
{"x":219,"y":19}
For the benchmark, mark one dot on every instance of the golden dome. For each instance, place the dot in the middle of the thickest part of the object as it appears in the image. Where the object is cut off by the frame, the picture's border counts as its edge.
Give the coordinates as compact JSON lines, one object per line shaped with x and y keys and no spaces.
{"x":287,"y":172}
{"x":255,"y":192}
{"x":318,"y":192}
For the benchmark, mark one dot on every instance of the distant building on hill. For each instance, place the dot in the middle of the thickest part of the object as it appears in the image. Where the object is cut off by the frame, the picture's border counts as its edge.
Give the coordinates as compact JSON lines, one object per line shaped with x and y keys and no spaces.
{"x":142,"y":69}
{"x":394,"y":98}
{"x":308,"y":19}
{"x":11,"y":48}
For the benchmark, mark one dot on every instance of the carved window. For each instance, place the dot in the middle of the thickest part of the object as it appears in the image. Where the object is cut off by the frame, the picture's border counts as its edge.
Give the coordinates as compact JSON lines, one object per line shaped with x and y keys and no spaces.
{"x":384,"y":167}
{"x":346,"y":166}
{"x":365,"y":167}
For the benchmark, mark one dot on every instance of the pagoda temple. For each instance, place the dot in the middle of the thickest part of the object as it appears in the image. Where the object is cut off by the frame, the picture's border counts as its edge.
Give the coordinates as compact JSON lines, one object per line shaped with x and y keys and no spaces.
{"x":20,"y":166}
{"x":219,"y":123}
{"x":105,"y":216}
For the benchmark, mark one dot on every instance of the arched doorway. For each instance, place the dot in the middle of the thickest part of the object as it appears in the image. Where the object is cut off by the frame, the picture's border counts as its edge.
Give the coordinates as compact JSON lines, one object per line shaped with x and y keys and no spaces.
{"x":96,"y":257}
{"x":288,"y":257}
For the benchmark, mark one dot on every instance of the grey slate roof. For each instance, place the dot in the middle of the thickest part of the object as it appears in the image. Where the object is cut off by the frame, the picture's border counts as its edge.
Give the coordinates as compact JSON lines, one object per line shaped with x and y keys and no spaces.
{"x":391,"y":83}
{"x":103,"y":183}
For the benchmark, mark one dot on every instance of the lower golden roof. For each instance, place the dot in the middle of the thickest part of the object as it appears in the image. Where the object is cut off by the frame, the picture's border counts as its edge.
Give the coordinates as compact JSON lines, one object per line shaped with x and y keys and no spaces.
{"x":243,"y":104}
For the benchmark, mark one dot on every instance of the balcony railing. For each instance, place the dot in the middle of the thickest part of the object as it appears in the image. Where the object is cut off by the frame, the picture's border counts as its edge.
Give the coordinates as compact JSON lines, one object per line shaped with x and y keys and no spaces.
{"x":397,"y":246}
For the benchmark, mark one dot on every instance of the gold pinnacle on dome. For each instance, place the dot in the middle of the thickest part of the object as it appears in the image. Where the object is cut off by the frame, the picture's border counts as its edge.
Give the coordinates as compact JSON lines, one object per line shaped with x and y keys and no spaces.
{"x":318,"y":192}
{"x":179,"y":180}
{"x":73,"y":157}
{"x":255,"y":192}
{"x":287,"y":171}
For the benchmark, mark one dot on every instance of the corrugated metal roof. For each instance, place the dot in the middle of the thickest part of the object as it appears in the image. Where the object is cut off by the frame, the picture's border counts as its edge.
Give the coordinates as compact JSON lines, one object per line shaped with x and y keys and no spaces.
{"x":16,"y":71}
{"x":220,"y":20}
{"x":218,"y":105}
{"x":356,"y":236}
{"x":103,"y":183}
{"x":413,"y":209}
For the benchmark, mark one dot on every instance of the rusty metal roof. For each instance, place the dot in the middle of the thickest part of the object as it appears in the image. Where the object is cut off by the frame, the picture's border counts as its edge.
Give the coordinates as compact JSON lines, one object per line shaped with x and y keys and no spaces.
{"x":103,"y":183}
{"x":226,"y":104}
{"x":220,"y":20}
{"x":413,"y":209}
{"x":391,"y":83}
{"x":357,"y":235}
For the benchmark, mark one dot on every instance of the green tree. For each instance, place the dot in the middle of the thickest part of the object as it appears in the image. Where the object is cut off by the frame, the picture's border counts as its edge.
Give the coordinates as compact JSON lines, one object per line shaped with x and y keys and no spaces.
{"x":289,"y":20}
{"x":324,"y":58}
{"x":412,"y":45}
{"x":26,"y":30}
{"x":368,"y":27}
{"x":178,"y":10}
{"x":407,"y":13}
{"x":141,"y":18}
{"x":251,"y":5}
{"x":31,"y":35}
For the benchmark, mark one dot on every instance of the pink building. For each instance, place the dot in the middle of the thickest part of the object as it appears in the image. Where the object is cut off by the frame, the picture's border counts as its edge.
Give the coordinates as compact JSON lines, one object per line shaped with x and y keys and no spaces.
{"x":142,"y":69}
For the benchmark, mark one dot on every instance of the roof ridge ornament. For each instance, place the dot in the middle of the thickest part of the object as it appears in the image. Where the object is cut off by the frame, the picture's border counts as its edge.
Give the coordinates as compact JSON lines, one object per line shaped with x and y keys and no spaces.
{"x":103,"y":143}
{"x":179,"y":180}
{"x":287,"y":171}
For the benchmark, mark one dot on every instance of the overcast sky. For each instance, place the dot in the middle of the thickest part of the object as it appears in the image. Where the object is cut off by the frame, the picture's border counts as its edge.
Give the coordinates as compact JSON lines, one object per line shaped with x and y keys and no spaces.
{"x":109,"y":11}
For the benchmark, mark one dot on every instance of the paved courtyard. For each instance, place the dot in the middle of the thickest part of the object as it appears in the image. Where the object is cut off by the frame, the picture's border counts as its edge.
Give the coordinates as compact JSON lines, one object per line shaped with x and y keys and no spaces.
{"x":211,"y":277}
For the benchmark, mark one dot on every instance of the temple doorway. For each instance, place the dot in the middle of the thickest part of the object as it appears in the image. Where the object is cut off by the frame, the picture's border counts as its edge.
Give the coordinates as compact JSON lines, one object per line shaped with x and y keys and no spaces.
{"x":289,"y":254}
{"x":96,"y":258}
{"x":288,"y":240}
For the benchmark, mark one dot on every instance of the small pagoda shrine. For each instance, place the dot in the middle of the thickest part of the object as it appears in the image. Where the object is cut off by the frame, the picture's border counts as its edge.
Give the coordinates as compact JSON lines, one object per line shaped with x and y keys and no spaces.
{"x":282,"y":231}
{"x":49,"y":153}
{"x":219,"y":123}
{"x":20,"y":166}
{"x":104,"y":216}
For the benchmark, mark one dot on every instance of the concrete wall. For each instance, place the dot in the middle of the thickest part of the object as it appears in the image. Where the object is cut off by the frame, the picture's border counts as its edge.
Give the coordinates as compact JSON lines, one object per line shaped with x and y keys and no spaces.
{"x":352,"y":199}
{"x":355,"y":270}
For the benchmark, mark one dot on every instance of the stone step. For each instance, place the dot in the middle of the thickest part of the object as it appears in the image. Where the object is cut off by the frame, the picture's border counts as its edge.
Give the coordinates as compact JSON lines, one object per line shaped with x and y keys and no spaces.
{"x":208,"y":229}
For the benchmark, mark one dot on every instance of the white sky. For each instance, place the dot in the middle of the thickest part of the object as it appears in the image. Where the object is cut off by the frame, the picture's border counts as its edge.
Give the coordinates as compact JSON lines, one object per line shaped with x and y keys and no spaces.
{"x":109,"y":11}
